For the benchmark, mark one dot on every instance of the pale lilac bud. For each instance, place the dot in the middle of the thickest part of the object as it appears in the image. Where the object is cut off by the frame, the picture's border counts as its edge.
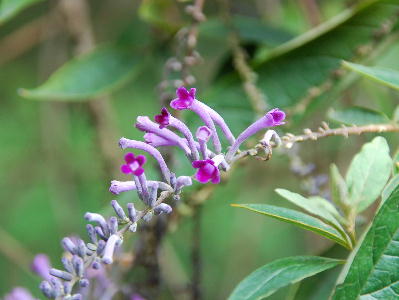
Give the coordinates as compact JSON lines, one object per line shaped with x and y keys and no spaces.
{"x":83,"y":283}
{"x":183,"y":181}
{"x":76,"y":297}
{"x":47,"y":289}
{"x":96,"y":265}
{"x":113,"y":225}
{"x":67,"y":264}
{"x":99,"y":219}
{"x":69,"y":245}
{"x":61,"y":274}
{"x":67,"y":287}
{"x":153,"y":193}
{"x":157,"y":141}
{"x":109,"y":249}
{"x":118,"y":209}
{"x":162,"y":208}
{"x":132,"y":212}
{"x":100,"y":232}
{"x":57,"y":286}
{"x":203,"y":134}
{"x":121,"y":186}
{"x":78,"y":266}
{"x":82,"y":249}
{"x":41,"y":266}
{"x":91,"y":233}
{"x":100,"y":247}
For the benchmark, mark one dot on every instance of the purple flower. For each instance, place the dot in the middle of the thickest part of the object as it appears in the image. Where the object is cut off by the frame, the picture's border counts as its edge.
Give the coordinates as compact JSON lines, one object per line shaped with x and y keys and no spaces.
{"x":272,"y":118}
{"x":41,"y":266}
{"x":184,"y":98}
{"x":19,"y":293}
{"x":163,"y":118}
{"x":207,"y":171}
{"x":203,"y":134}
{"x":134,"y":165}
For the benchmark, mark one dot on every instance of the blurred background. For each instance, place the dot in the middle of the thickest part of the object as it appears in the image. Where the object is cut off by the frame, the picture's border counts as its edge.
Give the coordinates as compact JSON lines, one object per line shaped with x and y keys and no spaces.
{"x":59,"y":142}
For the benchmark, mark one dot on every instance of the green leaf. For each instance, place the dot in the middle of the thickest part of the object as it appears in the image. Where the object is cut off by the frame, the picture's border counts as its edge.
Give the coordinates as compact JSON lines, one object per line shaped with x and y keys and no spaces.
{"x":317,"y":206}
{"x":374,"y":271}
{"x":358,"y":116}
{"x":338,"y":188}
{"x":297,"y":218}
{"x":304,"y":69}
{"x":9,"y":8}
{"x":388,"y":77}
{"x":98,"y":72}
{"x":368,"y":173}
{"x":268,"y":279}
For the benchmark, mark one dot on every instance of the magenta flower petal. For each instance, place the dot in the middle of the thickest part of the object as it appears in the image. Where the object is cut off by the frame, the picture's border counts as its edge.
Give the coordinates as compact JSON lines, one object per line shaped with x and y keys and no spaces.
{"x":207,"y":171}
{"x":129,"y":158}
{"x":126,"y":169}
{"x":141,"y":160}
{"x":184,"y":98}
{"x":278,"y":115}
{"x":163,"y":118}
{"x":138,"y":172}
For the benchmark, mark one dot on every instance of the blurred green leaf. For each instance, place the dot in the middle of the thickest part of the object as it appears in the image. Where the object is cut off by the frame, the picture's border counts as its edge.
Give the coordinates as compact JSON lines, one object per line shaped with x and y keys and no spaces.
{"x":307,"y":67}
{"x":358,"y":116}
{"x":9,"y":8}
{"x":388,"y":77}
{"x":338,"y":188}
{"x":317,"y":206}
{"x":162,"y":13}
{"x":368,"y":173}
{"x":373,"y":273}
{"x":395,"y":159}
{"x":268,"y":279}
{"x":297,"y":218}
{"x":101,"y":71}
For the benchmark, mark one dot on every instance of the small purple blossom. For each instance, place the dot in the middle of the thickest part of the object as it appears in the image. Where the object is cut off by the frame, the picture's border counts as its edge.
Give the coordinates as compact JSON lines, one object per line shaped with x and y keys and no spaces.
{"x":184,"y":98}
{"x":41,"y":266}
{"x":203,"y":134}
{"x":207,"y":171}
{"x":134,"y":164}
{"x":272,"y":118}
{"x":163,"y":118}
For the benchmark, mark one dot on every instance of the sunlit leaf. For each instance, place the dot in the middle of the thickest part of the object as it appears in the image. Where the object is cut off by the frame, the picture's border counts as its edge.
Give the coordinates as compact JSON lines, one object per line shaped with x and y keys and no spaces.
{"x":358,"y":116}
{"x":9,"y":8}
{"x":297,"y":218}
{"x":373,"y":273}
{"x":268,"y":279}
{"x":317,"y":206}
{"x":368,"y":173}
{"x":385,"y":76}
{"x":98,"y":72}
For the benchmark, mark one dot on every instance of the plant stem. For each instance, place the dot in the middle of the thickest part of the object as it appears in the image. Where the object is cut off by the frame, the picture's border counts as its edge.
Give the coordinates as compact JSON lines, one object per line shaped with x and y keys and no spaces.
{"x":196,"y":293}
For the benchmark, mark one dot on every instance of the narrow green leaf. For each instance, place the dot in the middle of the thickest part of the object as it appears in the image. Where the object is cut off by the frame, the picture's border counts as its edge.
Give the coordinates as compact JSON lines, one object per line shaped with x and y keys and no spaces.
{"x":338,"y":188}
{"x":374,"y":271}
{"x":368,"y":173}
{"x":297,"y":218}
{"x":388,"y":77}
{"x":98,"y":72}
{"x":268,"y":279}
{"x":9,"y":8}
{"x":358,"y":116}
